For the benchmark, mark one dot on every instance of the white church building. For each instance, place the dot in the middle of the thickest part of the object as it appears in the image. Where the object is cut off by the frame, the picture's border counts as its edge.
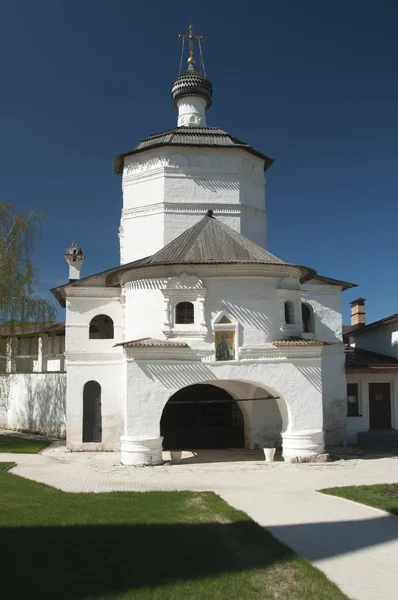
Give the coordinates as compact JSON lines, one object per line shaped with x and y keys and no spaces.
{"x":200,"y":338}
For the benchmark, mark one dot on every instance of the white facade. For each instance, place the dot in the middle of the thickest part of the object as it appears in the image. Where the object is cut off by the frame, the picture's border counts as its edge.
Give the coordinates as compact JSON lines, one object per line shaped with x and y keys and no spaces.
{"x":167,"y":190}
{"x":286,"y":376}
{"x":136,"y":383}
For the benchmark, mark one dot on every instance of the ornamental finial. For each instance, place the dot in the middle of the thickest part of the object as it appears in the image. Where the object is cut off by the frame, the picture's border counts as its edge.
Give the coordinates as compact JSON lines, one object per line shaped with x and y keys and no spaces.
{"x":191,"y":37}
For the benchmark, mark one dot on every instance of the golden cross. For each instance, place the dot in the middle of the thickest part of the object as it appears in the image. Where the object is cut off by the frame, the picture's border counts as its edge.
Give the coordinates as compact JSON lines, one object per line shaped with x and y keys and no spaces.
{"x":190,"y":36}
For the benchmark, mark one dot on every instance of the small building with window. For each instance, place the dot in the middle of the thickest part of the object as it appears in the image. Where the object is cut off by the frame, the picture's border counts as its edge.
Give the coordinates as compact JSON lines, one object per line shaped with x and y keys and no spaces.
{"x":372,"y":379}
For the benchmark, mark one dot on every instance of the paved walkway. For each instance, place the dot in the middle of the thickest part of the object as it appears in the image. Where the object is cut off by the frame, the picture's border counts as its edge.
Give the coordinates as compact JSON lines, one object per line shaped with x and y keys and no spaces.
{"x":356,"y":546}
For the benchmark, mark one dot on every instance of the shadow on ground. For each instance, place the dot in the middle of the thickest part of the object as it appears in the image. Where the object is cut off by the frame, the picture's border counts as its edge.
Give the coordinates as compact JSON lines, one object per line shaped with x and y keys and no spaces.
{"x":76,"y":562}
{"x":232,"y":455}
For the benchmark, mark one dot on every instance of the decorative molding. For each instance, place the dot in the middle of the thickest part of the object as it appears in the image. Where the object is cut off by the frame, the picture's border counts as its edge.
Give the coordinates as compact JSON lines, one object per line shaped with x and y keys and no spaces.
{"x":93,"y":292}
{"x":193,"y":208}
{"x":74,"y":358}
{"x":134,"y":176}
{"x":152,"y":276}
{"x":185,"y":288}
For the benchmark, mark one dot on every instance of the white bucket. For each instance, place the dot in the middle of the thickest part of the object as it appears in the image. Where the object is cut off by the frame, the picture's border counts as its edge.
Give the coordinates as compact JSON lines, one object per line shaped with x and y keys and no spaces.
{"x":269,"y":454}
{"x":175,"y":456}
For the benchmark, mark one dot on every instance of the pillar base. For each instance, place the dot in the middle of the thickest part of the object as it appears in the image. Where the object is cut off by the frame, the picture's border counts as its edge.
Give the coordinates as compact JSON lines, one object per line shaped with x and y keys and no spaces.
{"x":303,"y":446}
{"x":141,"y":452}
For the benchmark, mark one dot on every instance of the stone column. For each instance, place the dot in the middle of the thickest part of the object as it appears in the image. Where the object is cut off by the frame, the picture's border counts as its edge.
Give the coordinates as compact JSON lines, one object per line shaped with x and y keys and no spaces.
{"x":304,"y":446}
{"x":139,"y":452}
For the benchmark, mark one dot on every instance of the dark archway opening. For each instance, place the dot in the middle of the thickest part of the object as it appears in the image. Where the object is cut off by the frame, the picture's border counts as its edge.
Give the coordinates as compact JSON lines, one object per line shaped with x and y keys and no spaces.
{"x":202,"y":416}
{"x":92,"y":417}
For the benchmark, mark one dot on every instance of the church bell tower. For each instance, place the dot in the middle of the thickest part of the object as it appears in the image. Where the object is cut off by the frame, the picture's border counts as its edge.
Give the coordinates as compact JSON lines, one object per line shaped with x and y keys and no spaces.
{"x":171,"y":179}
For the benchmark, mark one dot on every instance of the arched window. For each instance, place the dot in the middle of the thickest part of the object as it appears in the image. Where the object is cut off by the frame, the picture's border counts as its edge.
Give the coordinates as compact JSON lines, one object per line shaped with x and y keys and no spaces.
{"x":101,"y":328}
{"x":308,"y":318}
{"x":289,"y":312}
{"x":185,"y":313}
{"x":92,"y":417}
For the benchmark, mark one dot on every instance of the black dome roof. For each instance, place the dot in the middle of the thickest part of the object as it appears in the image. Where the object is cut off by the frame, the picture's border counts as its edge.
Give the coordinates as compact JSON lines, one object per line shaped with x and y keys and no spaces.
{"x":192,"y":83}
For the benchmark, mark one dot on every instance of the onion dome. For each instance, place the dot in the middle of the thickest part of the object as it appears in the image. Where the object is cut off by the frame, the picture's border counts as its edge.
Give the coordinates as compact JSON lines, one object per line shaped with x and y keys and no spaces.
{"x":192,"y":83}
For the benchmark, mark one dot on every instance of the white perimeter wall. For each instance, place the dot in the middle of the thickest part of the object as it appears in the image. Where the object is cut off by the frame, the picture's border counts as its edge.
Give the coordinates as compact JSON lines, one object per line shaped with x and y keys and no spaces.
{"x":37,"y":402}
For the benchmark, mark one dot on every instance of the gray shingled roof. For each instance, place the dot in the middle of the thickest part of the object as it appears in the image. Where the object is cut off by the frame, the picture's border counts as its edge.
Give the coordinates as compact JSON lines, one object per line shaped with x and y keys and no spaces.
{"x":210,"y":242}
{"x":190,"y":136}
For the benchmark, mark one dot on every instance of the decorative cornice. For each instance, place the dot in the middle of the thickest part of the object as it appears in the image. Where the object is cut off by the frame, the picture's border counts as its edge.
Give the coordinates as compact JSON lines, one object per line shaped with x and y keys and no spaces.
{"x":220,"y":271}
{"x":210,"y":174}
{"x":93,"y":292}
{"x":193,"y":208}
{"x":74,"y":358}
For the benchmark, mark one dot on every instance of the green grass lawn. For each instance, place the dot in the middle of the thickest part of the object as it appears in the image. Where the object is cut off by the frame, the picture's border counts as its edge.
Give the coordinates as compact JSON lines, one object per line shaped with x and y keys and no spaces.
{"x":384,"y":496}
{"x":142,"y":546}
{"x":20,"y":445}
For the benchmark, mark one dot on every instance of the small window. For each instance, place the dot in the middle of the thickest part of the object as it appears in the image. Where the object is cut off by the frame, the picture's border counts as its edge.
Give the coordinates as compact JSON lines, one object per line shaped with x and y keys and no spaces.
{"x":352,"y":400}
{"x":308,"y":318}
{"x":185,"y":313}
{"x":101,"y":328}
{"x":289,"y":313}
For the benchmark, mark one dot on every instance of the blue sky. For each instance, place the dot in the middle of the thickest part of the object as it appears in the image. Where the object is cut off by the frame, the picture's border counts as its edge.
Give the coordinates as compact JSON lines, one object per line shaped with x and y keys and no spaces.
{"x":312,"y":84}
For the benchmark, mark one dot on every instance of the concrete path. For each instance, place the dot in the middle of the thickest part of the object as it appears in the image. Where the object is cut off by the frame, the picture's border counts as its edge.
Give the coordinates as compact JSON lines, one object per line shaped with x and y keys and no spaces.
{"x":356,"y":546}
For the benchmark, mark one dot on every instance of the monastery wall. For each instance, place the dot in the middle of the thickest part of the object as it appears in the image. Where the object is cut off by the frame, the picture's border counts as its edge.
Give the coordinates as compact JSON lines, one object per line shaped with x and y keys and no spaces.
{"x":37,"y":402}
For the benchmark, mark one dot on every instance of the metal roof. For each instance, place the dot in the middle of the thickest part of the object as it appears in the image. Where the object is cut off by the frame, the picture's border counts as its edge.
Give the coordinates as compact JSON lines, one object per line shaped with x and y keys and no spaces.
{"x":357,"y":359}
{"x":190,"y":136}
{"x":344,"y":284}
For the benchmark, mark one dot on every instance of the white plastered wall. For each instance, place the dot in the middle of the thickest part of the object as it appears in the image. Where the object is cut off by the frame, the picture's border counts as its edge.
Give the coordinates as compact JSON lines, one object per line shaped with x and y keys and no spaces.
{"x":254,"y":302}
{"x":94,"y":360}
{"x":383,"y":340}
{"x":168,"y":190}
{"x":149,"y":385}
{"x":37,"y":402}
{"x":326,"y":303}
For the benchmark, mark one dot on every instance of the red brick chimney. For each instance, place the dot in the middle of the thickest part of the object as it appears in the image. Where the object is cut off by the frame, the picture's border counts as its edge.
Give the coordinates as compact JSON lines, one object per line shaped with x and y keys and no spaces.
{"x":358,"y":314}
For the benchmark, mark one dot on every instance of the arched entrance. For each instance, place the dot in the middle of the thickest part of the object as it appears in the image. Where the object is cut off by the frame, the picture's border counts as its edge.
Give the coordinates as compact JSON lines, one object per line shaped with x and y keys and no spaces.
{"x":92,"y":417}
{"x":202,"y":416}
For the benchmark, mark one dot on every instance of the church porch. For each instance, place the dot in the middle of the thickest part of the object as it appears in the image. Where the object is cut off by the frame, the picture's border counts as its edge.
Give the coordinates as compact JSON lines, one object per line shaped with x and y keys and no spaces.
{"x":168,"y":406}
